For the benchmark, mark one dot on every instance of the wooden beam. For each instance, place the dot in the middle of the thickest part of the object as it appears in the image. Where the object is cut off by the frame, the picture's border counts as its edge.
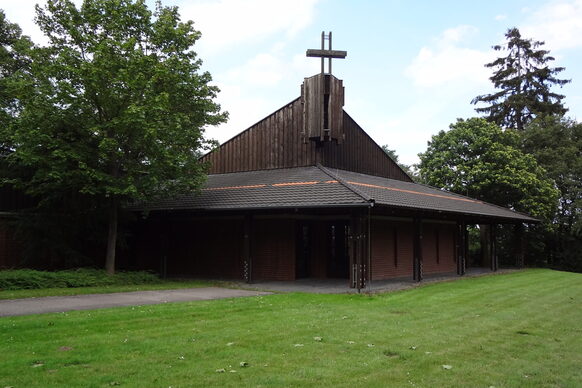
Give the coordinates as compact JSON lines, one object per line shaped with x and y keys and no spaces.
{"x":493,"y":247}
{"x":519,"y":246}
{"x":417,"y":250}
{"x":462,"y":248}
{"x":326,"y":53}
{"x":247,"y":257}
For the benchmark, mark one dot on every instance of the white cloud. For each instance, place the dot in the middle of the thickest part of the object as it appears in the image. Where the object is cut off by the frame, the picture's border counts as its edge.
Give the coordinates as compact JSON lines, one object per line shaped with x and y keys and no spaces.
{"x":500,"y":17}
{"x":558,"y":23}
{"x":445,"y":61}
{"x":226,"y":23}
{"x":249,"y":91}
{"x":22,"y":13}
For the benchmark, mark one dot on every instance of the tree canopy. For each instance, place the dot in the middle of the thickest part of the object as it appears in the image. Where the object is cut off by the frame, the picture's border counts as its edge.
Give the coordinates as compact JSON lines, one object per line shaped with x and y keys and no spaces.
{"x":476,"y":158}
{"x":14,"y":59}
{"x":525,"y":79}
{"x":556,"y":142}
{"x":115,"y":107}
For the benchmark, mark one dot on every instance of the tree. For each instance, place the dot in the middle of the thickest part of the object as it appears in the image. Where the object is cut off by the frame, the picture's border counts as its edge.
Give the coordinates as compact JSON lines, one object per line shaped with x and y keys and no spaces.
{"x":476,"y":158}
{"x":14,"y":59}
{"x":408,"y":169}
{"x":525,"y":80}
{"x":556,"y":143}
{"x":118,"y":109}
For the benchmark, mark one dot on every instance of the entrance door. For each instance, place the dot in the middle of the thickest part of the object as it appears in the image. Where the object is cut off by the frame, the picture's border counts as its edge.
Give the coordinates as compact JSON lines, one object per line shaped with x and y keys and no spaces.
{"x":303,"y":250}
{"x":338,"y":258}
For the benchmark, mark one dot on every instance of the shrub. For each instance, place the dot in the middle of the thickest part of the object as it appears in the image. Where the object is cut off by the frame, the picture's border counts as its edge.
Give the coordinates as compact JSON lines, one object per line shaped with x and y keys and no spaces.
{"x":20,"y":279}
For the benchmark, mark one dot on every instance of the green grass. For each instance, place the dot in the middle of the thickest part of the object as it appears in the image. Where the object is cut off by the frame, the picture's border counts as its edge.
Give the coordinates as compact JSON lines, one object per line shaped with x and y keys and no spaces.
{"x":515,"y":330}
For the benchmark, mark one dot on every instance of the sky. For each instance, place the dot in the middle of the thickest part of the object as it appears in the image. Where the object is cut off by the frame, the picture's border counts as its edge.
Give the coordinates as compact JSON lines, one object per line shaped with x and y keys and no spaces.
{"x":412,"y":67}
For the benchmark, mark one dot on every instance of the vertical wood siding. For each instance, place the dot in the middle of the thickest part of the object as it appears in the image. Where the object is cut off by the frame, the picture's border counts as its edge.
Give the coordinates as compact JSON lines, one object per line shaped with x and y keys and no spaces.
{"x":277,"y":142}
{"x":273,"y":249}
{"x":383,"y":249}
{"x":196,"y":248}
{"x":446,"y":248}
{"x":9,"y":250}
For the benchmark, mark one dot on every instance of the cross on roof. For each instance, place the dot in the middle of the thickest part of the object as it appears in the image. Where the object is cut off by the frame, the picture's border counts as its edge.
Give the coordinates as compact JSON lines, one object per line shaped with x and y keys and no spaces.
{"x":326,"y":53}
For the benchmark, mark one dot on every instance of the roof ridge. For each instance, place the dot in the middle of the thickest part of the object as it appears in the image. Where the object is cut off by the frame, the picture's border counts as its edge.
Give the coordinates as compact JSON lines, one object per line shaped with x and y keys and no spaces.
{"x":344,"y":183}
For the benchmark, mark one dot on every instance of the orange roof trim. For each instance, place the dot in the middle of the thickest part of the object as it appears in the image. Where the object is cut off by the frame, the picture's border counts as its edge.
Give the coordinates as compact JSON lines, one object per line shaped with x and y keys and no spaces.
{"x":234,"y":187}
{"x":413,"y":192}
{"x":295,"y":183}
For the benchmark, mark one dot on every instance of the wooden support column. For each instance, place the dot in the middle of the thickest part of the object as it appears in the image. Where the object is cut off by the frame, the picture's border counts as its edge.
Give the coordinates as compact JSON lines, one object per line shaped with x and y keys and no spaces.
{"x":519,"y":246}
{"x":461,"y":247}
{"x":485,"y":240}
{"x":369,"y":249}
{"x":247,"y":257}
{"x":353,"y":251}
{"x":164,"y":255}
{"x":417,"y":251}
{"x":358,"y":241}
{"x":493,"y":247}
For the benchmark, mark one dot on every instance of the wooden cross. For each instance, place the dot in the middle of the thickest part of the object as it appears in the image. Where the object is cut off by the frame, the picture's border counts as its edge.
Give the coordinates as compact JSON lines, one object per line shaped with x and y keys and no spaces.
{"x":326,"y":53}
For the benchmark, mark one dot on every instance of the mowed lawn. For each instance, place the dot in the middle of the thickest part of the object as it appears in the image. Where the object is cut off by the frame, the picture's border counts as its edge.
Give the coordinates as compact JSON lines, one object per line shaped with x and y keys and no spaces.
{"x":522,"y":329}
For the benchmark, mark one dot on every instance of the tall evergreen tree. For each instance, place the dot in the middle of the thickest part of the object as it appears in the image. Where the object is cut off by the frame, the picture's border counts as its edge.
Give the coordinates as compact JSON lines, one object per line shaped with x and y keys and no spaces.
{"x":524,"y":78}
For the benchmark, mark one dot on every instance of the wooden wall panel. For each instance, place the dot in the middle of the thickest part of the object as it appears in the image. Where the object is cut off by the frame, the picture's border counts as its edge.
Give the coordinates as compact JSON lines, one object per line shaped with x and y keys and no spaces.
{"x":438,"y":242}
{"x":319,"y":249}
{"x":278,"y":142}
{"x":360,"y":153}
{"x":193,"y":248}
{"x":9,"y":249}
{"x":273,"y":249}
{"x":383,"y":249}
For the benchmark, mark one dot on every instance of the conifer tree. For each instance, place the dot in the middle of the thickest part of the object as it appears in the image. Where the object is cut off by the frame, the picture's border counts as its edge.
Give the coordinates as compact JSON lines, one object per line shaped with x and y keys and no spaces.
{"x":524,"y":79}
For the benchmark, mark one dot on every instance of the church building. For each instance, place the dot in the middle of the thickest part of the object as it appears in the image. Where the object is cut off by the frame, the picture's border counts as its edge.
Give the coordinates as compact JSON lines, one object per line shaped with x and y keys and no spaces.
{"x":306,"y":193}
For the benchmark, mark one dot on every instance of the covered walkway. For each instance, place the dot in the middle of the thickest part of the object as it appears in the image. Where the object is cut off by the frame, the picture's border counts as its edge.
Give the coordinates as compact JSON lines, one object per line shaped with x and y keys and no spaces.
{"x":341,"y":286}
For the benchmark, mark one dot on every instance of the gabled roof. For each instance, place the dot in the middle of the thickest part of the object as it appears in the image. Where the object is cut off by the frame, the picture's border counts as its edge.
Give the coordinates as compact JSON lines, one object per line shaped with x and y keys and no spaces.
{"x":318,"y":186}
{"x":399,"y":194}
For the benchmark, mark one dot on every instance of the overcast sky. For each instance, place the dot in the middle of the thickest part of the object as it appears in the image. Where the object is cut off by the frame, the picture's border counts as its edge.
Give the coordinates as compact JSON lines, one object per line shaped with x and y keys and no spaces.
{"x":412,"y":66}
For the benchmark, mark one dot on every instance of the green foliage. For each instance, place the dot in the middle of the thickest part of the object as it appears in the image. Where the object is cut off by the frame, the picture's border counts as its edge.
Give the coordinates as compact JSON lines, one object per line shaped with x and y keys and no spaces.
{"x":556,"y":143}
{"x":14,"y":61}
{"x":525,"y":80}
{"x":476,"y":158}
{"x":113,"y":109}
{"x":23,"y":279}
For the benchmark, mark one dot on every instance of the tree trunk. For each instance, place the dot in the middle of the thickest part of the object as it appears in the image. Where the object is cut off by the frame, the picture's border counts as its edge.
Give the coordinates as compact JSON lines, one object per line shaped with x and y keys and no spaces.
{"x":111,"y":238}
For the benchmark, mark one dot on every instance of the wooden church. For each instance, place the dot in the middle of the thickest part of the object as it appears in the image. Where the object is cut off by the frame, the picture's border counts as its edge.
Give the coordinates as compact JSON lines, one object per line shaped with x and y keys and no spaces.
{"x":306,"y":193}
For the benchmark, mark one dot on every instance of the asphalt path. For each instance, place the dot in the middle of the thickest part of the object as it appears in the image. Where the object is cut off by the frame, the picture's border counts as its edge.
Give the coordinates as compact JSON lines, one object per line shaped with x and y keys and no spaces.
{"x":55,"y":304}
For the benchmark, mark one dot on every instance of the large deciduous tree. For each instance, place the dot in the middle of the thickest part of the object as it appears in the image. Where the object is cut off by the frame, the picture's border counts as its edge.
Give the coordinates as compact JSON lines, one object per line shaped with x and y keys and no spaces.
{"x":525,"y":80}
{"x":476,"y":158}
{"x":556,"y":142}
{"x":14,"y":61}
{"x":118,"y":108}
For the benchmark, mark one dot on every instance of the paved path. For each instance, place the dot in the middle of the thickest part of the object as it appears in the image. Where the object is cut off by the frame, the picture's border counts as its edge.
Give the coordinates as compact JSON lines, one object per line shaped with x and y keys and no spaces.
{"x":53,"y":304}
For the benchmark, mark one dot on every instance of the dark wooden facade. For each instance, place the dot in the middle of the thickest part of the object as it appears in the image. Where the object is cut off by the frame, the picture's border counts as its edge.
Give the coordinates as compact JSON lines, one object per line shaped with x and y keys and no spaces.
{"x":280,"y":141}
{"x":360,"y":245}
{"x":288,"y":247}
{"x":9,"y":248}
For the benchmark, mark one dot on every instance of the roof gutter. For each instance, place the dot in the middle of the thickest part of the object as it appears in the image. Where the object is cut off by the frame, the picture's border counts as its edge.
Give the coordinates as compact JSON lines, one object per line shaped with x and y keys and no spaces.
{"x":365,"y":205}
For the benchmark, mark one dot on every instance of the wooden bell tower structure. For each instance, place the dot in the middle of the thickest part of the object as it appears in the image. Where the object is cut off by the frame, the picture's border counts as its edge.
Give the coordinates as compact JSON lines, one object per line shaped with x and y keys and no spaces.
{"x":322,"y":97}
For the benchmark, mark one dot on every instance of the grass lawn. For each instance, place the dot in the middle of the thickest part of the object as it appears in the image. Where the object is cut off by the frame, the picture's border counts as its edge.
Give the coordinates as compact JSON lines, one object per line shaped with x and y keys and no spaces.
{"x":163,"y":285}
{"x":522,"y":329}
